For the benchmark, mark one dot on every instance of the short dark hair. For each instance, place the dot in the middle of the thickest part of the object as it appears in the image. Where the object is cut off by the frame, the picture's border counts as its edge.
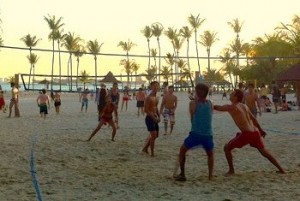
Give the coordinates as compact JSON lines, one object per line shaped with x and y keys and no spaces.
{"x":44,"y":91}
{"x":153,"y":82}
{"x":171,"y":87}
{"x":239,"y":94}
{"x":202,"y":90}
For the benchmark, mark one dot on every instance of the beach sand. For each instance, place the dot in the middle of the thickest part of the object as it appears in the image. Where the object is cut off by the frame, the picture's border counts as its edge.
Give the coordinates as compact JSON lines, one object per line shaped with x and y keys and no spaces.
{"x":68,"y":168}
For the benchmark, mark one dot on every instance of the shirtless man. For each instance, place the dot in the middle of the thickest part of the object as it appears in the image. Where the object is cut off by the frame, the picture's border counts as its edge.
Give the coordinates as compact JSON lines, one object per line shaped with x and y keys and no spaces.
{"x":152,"y":118}
{"x":251,"y":100}
{"x":42,"y":102}
{"x":84,"y":99}
{"x":168,"y":107}
{"x":14,"y":101}
{"x":251,"y":132}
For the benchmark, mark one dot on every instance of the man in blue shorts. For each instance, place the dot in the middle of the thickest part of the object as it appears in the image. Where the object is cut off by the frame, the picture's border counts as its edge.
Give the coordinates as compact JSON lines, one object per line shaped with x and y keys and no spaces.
{"x":201,"y":111}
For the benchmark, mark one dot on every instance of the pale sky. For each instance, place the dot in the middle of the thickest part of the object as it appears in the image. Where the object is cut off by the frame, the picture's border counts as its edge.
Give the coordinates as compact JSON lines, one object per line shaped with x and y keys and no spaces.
{"x":111,"y":21}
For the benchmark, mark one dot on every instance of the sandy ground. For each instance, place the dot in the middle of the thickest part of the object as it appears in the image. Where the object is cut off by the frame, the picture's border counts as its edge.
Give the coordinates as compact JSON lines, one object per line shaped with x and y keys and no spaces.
{"x":68,"y":168}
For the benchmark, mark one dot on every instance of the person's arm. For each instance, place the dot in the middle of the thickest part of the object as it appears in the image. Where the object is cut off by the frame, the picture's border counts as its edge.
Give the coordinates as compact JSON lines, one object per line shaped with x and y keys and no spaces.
{"x":37,"y":100}
{"x":256,"y":124}
{"x":48,"y":102}
{"x":223,"y":108}
{"x":192,"y":108}
{"x":175,"y":106}
{"x":257,"y":105}
{"x":162,"y":105}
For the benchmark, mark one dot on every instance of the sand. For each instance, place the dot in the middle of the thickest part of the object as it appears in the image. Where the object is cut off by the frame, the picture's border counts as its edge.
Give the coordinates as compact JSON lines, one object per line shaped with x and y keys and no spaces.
{"x":68,"y":168}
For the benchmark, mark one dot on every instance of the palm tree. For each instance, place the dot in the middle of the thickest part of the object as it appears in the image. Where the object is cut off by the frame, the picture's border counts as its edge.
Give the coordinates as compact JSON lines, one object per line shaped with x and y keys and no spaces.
{"x":54,"y":25}
{"x":127,"y":64}
{"x":71,"y":43}
{"x":1,"y":40}
{"x":30,"y":41}
{"x":172,"y":34}
{"x":80,"y":50}
{"x":59,"y":36}
{"x":178,"y":42}
{"x":147,"y":32}
{"x":135,"y":68}
{"x":207,"y":40}
{"x":196,"y":22}
{"x":291,"y":33}
{"x":186,"y":33}
{"x":94,"y":47}
{"x":157,"y":29}
{"x":166,"y":72}
{"x":126,"y":46}
{"x":154,"y":54}
{"x":84,"y":78}
{"x":150,"y":73}
{"x":228,"y":66}
{"x":236,"y":25}
{"x":32,"y":58}
{"x":171,"y":61}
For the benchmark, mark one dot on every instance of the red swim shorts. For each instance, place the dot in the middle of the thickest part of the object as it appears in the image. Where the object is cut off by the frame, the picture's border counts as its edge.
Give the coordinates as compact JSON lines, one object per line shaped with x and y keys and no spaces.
{"x":246,"y":137}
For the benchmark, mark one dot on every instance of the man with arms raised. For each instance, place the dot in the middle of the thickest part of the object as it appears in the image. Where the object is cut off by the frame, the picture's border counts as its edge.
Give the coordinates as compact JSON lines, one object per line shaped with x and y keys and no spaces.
{"x":251,"y":132}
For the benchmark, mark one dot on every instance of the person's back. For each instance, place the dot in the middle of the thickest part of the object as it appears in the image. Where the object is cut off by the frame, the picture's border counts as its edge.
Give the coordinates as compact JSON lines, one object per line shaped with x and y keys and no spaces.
{"x":202,"y":119}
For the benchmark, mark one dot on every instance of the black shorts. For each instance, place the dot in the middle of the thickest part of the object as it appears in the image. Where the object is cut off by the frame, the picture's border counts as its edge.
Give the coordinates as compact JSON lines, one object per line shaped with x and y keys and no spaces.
{"x":151,"y":124}
{"x":57,"y":103}
{"x":140,"y":104}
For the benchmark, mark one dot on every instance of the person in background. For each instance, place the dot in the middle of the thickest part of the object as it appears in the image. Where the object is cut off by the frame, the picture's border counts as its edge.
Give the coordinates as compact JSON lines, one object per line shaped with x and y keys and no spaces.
{"x":57,"y":102}
{"x":140,"y":101}
{"x":14,"y":101}
{"x":43,"y":101}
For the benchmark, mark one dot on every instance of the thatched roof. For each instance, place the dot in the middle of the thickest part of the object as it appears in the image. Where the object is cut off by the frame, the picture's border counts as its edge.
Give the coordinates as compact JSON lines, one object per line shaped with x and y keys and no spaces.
{"x":291,"y":74}
{"x":110,"y":78}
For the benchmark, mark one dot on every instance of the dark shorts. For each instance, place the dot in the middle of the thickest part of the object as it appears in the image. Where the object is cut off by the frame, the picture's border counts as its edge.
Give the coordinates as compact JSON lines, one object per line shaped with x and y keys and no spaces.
{"x":140,"y":104}
{"x":44,"y":109}
{"x":151,"y":124}
{"x":254,"y":139}
{"x":196,"y":140}
{"x":57,"y":103}
{"x":275,"y":99}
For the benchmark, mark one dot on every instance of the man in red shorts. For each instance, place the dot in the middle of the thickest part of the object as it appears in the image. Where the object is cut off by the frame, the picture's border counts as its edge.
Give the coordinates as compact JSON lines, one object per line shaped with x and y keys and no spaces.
{"x":251,"y":132}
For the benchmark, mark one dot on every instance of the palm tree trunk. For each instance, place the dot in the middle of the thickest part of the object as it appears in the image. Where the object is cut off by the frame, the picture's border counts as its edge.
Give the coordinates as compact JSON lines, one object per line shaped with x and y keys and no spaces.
{"x":77,"y":73}
{"x":33,"y":70}
{"x":187,"y":54}
{"x":199,"y":69}
{"x":95,"y":57}
{"x":159,"y":60}
{"x":52,"y":69}
{"x":71,"y":71}
{"x":149,"y":53}
{"x":29,"y":75}
{"x":208,"y":59}
{"x":59,"y":58}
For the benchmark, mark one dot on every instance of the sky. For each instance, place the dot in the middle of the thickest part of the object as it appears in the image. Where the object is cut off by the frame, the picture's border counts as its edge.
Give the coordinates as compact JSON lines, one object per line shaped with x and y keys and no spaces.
{"x":117,"y":20}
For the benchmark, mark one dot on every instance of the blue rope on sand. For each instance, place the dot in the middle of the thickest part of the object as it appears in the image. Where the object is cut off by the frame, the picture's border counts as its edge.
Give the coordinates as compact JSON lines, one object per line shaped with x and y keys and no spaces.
{"x":277,"y":131}
{"x":33,"y":170}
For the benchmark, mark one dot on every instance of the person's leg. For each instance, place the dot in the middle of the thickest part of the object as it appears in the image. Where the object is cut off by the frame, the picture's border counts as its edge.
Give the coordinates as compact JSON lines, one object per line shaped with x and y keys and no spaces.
{"x":82,"y":105}
{"x":86,"y":106}
{"x":122,"y":105}
{"x":147,"y":144}
{"x":229,"y":159}
{"x":96,"y":130}
{"x":182,"y":157}
{"x":17,"y":111}
{"x":271,"y":158}
{"x":153,"y":136}
{"x":114,"y":129}
{"x":126,"y":104}
{"x":11,"y":104}
{"x":166,"y":127}
{"x":210,"y":163}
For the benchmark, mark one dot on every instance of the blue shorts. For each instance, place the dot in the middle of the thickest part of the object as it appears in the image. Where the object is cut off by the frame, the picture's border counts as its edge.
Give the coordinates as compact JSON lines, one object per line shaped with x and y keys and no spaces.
{"x":151,"y":124}
{"x":195,"y":140}
{"x":43,"y":109}
{"x":85,"y":102}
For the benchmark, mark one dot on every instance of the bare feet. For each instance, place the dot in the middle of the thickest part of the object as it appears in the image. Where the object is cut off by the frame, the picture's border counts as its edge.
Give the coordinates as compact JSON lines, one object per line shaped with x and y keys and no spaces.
{"x":180,"y":178}
{"x":145,"y":151}
{"x":281,"y":172}
{"x":229,"y":173}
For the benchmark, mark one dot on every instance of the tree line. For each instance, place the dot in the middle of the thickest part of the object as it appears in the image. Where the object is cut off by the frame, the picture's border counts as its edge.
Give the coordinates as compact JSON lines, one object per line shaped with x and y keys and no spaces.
{"x":265,"y":56}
